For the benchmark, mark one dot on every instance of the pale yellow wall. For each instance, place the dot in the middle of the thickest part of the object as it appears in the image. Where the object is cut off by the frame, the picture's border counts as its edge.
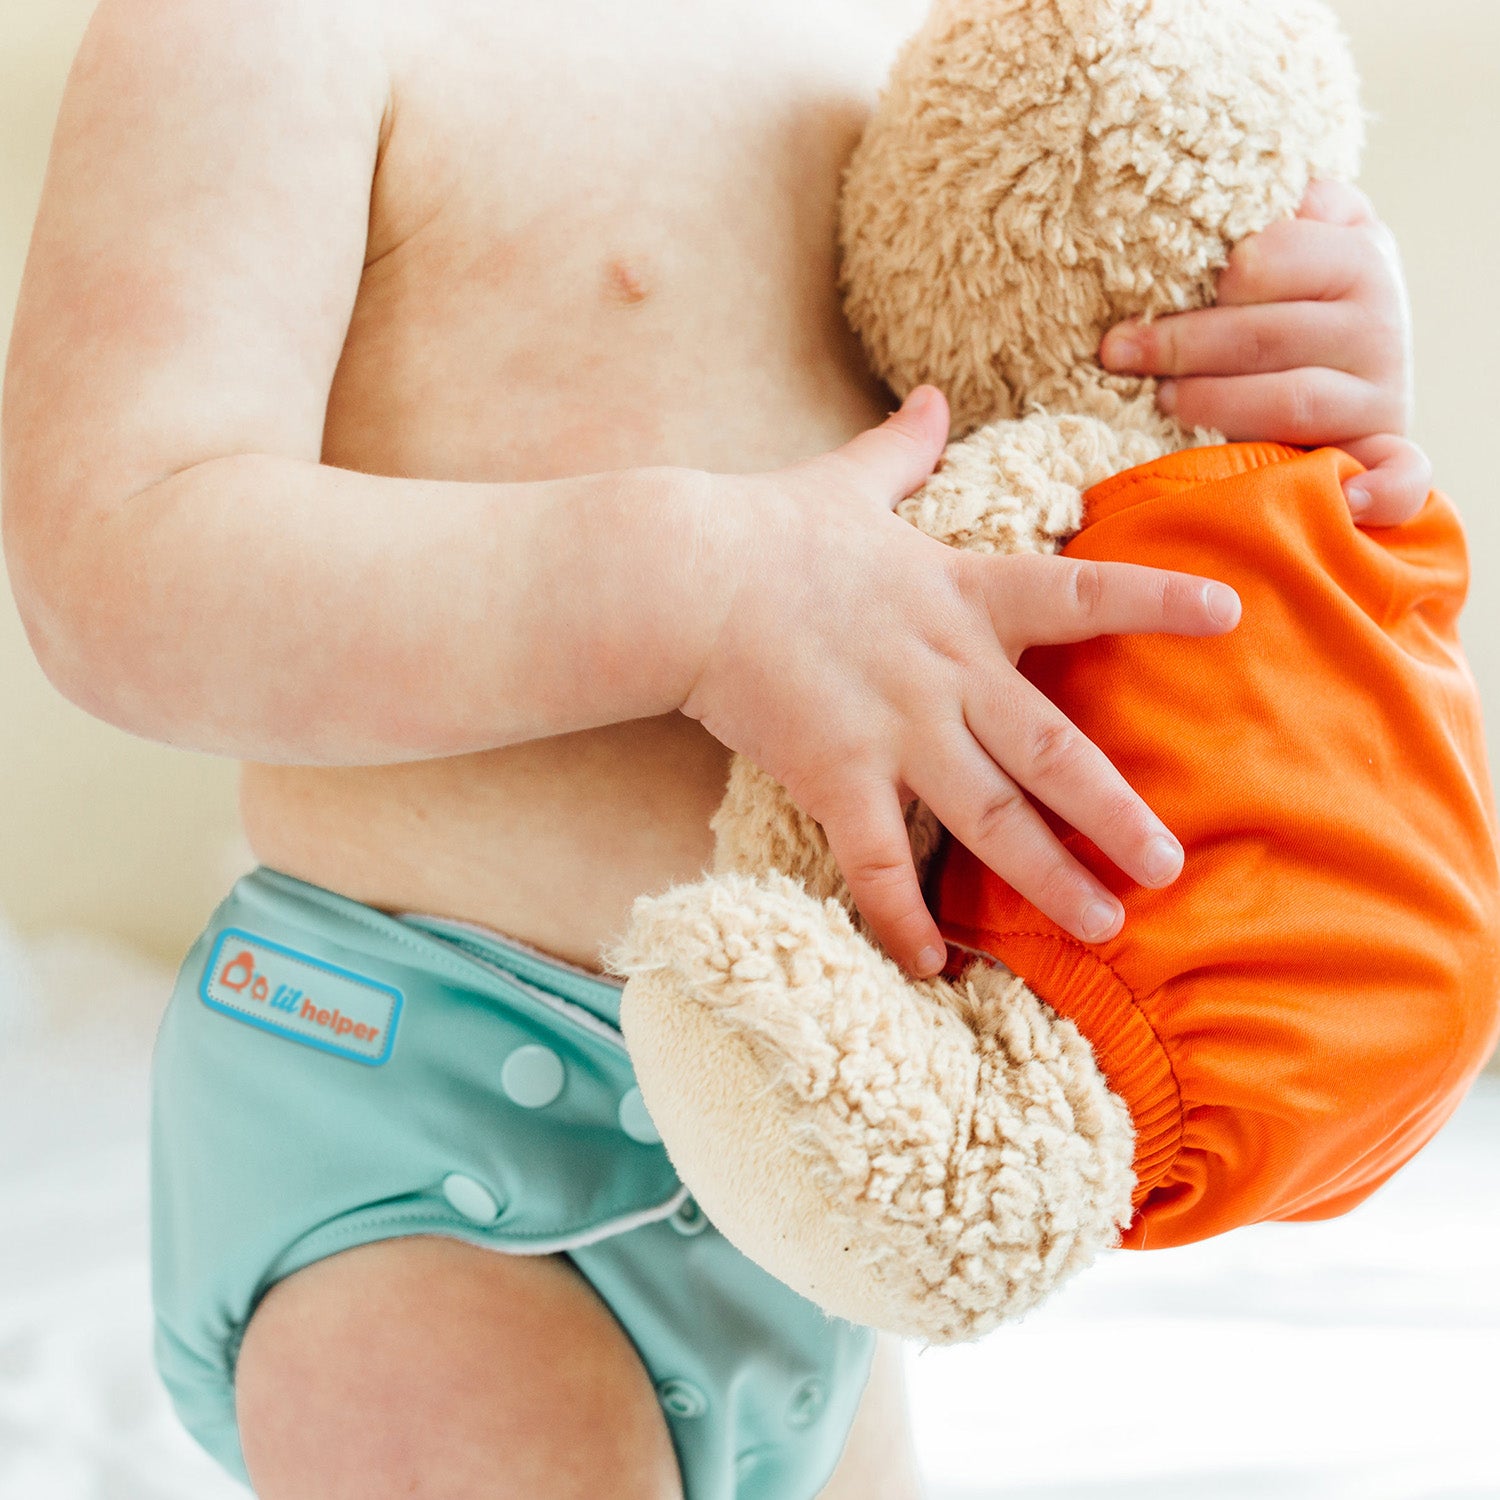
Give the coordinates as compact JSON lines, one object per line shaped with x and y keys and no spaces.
{"x":99,"y":829}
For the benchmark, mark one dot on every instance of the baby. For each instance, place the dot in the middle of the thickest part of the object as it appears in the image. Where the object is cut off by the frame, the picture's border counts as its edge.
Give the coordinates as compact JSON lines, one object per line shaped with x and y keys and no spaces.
{"x":447,"y":411}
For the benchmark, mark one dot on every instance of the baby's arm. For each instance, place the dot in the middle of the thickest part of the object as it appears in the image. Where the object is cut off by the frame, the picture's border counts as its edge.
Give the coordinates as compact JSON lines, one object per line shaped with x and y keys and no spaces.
{"x":186,"y":567}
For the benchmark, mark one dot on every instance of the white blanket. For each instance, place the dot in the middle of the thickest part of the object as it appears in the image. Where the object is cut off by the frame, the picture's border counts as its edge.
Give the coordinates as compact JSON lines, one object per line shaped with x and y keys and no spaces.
{"x":1358,"y":1360}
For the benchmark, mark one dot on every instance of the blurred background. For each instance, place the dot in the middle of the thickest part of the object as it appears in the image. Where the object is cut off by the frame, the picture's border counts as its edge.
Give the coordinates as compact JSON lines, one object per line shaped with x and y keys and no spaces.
{"x":1348,"y":1361}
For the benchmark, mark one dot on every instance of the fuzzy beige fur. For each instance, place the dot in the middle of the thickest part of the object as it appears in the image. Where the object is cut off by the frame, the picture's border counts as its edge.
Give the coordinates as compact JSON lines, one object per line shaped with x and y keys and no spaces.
{"x":932,"y":1158}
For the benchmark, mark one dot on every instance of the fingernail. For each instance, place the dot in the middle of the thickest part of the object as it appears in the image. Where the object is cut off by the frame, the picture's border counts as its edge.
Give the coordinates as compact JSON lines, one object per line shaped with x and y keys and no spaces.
{"x":929,"y":961}
{"x":1161,"y":860}
{"x":1100,"y":919}
{"x":1358,"y":496}
{"x":1223,"y":604}
{"x":918,"y":400}
{"x":1166,"y":397}
{"x":1123,"y":349}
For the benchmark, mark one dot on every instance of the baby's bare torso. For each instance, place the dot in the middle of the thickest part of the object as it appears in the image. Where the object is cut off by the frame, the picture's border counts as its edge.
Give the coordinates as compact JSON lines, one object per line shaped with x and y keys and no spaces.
{"x":601,"y":236}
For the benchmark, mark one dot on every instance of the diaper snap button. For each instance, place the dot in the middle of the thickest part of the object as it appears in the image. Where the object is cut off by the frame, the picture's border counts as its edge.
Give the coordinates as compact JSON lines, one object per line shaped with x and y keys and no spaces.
{"x":681,"y":1398}
{"x":748,"y":1462}
{"x":689,"y":1218}
{"x":807,"y":1404}
{"x":532,"y":1076}
{"x":472,"y":1199}
{"x":634,"y":1120}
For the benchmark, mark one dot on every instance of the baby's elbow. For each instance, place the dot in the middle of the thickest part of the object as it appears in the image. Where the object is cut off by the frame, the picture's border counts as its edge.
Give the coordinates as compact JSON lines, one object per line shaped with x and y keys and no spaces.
{"x":68,"y":605}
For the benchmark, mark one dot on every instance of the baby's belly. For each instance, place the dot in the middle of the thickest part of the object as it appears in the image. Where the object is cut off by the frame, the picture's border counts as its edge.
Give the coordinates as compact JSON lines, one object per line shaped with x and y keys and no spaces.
{"x":548,"y":841}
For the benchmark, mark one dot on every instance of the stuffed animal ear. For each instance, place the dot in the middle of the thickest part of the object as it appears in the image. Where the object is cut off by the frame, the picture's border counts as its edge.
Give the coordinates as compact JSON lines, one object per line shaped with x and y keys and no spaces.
{"x":1037,"y":172}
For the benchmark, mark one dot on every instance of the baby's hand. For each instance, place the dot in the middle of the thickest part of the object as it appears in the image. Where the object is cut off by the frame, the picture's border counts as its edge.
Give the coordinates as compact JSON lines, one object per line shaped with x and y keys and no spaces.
{"x":1310,"y":343}
{"x":863,"y":664}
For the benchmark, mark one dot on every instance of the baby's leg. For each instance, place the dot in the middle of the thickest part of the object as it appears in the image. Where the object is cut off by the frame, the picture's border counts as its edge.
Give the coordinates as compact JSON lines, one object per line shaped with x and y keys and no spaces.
{"x":427,"y":1367}
{"x":391,"y":1123}
{"x":879,"y":1462}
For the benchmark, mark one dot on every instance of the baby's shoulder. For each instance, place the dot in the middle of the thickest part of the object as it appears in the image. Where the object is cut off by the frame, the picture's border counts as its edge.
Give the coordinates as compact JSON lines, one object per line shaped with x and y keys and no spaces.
{"x":185,"y":33}
{"x":189,"y":65}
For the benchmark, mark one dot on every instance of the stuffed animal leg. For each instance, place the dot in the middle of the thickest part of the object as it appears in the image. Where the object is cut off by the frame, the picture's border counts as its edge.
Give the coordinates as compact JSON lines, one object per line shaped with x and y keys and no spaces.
{"x":927,"y":1157}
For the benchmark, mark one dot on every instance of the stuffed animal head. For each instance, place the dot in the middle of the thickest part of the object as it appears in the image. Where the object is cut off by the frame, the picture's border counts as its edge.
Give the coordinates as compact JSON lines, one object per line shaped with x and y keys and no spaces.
{"x":1039,"y":170}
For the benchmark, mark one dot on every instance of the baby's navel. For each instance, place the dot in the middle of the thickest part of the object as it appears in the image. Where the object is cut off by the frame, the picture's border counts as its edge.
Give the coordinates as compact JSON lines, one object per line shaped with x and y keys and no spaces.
{"x":626,"y":282}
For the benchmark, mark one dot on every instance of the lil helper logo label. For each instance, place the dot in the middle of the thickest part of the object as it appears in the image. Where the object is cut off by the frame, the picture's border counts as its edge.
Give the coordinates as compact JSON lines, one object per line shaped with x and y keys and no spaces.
{"x":300,"y":997}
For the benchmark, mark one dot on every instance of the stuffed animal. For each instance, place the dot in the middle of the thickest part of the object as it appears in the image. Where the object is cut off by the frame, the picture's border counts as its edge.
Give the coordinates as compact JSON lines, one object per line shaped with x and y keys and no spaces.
{"x":1273,"y":1034}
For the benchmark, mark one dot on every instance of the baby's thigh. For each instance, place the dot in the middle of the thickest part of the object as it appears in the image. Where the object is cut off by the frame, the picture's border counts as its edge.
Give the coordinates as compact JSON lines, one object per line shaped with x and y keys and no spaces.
{"x":879,"y":1461}
{"x":428,"y":1367}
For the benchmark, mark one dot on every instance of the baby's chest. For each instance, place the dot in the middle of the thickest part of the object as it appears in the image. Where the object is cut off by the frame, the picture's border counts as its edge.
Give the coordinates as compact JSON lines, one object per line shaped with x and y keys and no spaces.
{"x":659,"y":139}
{"x":611,"y":210}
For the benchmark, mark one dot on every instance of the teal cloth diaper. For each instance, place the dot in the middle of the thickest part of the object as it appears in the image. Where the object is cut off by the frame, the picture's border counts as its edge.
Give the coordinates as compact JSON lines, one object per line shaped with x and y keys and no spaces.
{"x":327,"y":1075}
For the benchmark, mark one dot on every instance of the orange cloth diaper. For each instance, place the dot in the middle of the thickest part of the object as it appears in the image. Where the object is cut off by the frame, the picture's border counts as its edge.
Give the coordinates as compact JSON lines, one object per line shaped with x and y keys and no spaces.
{"x":1298,"y":1014}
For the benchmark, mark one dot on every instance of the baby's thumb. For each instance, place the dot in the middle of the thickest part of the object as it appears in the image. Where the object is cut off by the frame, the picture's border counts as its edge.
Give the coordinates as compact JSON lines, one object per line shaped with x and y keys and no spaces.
{"x":895,"y":458}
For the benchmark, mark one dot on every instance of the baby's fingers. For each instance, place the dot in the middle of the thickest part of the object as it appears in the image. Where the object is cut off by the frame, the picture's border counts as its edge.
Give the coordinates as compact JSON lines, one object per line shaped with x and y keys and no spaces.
{"x":1254,"y":340}
{"x":987,"y":812}
{"x":1396,"y":482}
{"x":867,"y":836}
{"x":1037,"y":746}
{"x":1054,"y":600}
{"x":890,"y":461}
{"x":1307,"y":407}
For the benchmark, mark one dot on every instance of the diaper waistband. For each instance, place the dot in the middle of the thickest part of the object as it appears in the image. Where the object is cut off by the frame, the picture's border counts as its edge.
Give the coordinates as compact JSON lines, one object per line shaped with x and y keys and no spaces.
{"x":423,"y":937}
{"x":597,"y":993}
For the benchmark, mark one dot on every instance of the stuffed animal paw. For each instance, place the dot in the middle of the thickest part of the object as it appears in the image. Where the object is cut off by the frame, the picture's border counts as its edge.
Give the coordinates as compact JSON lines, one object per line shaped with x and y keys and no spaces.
{"x":917,"y":1156}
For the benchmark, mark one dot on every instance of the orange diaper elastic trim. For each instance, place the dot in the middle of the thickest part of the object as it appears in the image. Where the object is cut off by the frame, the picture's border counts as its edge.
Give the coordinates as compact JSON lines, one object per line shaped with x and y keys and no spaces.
{"x":1126,"y":1049}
